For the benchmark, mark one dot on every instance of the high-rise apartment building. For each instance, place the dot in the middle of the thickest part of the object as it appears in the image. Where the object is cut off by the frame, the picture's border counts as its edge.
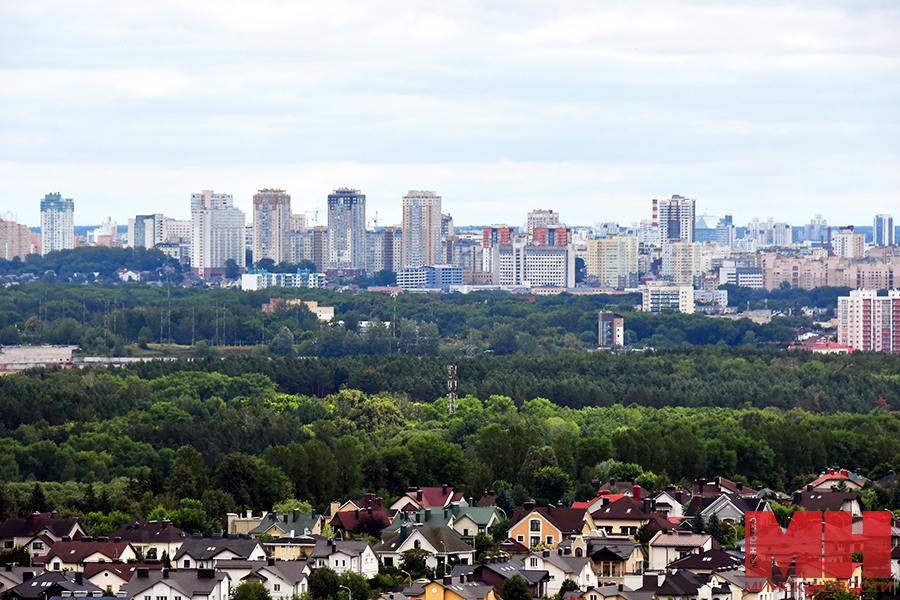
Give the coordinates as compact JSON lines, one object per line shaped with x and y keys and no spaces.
{"x":320,"y":247}
{"x":15,"y":238}
{"x":542,"y":218}
{"x":681,"y":263}
{"x":816,"y":230}
{"x":494,"y":236}
{"x":883,"y":233}
{"x":725,"y":232}
{"x":613,"y":261}
{"x":657,"y":297}
{"x":847,"y":244}
{"x":57,"y":223}
{"x":347,"y":230}
{"x":422,"y":228}
{"x":867,"y":321}
{"x":675,"y":218}
{"x":272,"y":225}
{"x":218,"y":232}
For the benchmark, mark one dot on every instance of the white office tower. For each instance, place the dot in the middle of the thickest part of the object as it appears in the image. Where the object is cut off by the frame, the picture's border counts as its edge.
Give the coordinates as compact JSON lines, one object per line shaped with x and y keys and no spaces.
{"x":675,"y":218}
{"x":347,"y":230}
{"x":883,"y":233}
{"x":522,"y":264}
{"x":218,"y":233}
{"x":422,"y":229}
{"x":57,"y":223}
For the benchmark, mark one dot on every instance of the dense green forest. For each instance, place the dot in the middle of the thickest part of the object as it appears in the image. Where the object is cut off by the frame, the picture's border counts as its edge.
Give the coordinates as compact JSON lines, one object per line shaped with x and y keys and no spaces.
{"x":249,"y":432}
{"x":109,"y":319}
{"x":92,"y":263}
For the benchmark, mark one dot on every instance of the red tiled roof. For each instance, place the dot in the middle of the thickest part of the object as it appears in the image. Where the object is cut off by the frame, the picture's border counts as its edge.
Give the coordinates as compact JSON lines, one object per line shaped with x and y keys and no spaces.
{"x":435,"y":496}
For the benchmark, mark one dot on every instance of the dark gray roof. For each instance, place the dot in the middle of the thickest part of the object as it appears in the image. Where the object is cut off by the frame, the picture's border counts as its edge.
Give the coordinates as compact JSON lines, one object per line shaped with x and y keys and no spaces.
{"x":190,"y":582}
{"x":149,"y":531}
{"x":52,"y":583}
{"x":209,"y":548}
{"x":328,"y":547}
{"x":444,"y":539}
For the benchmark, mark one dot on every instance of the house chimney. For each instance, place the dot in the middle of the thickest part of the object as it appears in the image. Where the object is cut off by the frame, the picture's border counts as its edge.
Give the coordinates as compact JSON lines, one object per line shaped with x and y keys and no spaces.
{"x":636,"y":491}
{"x":559,"y":550}
{"x":809,"y":487}
{"x":403,"y":533}
{"x":66,"y":538}
{"x":419,"y":495}
{"x":249,"y":514}
{"x":165,"y":573}
{"x":647,"y":506}
{"x":529,"y":506}
{"x":143,"y":572}
{"x":53,"y":514}
{"x":27,"y":575}
{"x":206,"y":573}
{"x":79,"y":578}
{"x":739,"y":485}
{"x":844,"y":472}
{"x":296,"y":515}
{"x":378,"y":501}
{"x":798,"y":498}
{"x":270,"y":561}
{"x":444,"y":489}
{"x":448,"y":580}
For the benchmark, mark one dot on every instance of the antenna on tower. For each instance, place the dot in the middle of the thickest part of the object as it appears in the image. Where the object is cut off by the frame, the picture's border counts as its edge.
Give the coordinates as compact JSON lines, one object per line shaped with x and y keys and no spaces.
{"x":451,"y":389}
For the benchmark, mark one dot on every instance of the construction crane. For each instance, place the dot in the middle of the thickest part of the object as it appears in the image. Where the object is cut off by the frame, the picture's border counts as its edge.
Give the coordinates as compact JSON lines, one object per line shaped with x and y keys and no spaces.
{"x":316,"y":212}
{"x":375,"y":220}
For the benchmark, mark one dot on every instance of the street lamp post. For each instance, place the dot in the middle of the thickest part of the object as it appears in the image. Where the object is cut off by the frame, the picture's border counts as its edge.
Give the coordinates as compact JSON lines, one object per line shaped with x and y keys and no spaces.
{"x":349,"y":593}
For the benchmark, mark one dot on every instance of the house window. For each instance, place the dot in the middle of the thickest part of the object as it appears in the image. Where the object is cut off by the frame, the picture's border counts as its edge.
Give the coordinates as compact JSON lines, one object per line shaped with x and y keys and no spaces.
{"x":187,"y":564}
{"x":146,"y":597}
{"x":549,"y":540}
{"x":466,"y":531}
{"x":161,"y":598}
{"x":533,"y":562}
{"x":177,"y":597}
{"x":534,"y":525}
{"x":593,"y":597}
{"x":37,"y":546}
{"x":417,"y":545}
{"x":56,"y":566}
{"x":520,"y":538}
{"x":535,"y":540}
{"x":7,"y":544}
{"x":578,"y":552}
{"x":389,"y":561}
{"x":277,"y":587}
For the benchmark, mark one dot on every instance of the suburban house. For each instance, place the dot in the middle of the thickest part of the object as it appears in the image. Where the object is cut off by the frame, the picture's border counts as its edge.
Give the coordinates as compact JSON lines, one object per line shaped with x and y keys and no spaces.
{"x":205,"y":553}
{"x":671,"y":502}
{"x":684,"y":585}
{"x":728,"y":508}
{"x":427,"y":497}
{"x":614,"y":560}
{"x":443,"y":544}
{"x":288,"y":525}
{"x":292,"y":548}
{"x":367,"y":514}
{"x":13,"y":575}
{"x":283,"y":579}
{"x":496,"y":570}
{"x":666,"y":548}
{"x":624,"y":487}
{"x":719,"y":486}
{"x":152,"y":538}
{"x":533,"y":526}
{"x":178,"y":584}
{"x":625,"y":516}
{"x":834,"y":477}
{"x":467,"y":521}
{"x":829,"y":500}
{"x":609,"y":592}
{"x":112,"y":576}
{"x":707,"y":562}
{"x":38,"y":532}
{"x":449,"y":588}
{"x":73,"y":555}
{"x":356,"y":556}
{"x":50,"y":584}
{"x":559,"y":567}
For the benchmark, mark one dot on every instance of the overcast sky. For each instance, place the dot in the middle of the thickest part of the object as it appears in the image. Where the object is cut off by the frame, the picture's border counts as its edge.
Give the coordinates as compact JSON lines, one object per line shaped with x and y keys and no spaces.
{"x":763,"y":109}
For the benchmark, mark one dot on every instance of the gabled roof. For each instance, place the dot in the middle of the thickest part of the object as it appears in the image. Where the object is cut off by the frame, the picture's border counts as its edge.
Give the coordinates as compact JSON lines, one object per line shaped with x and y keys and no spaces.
{"x":190,"y":582}
{"x":35,"y":522}
{"x":148,"y":532}
{"x":837,"y":475}
{"x":488,"y":499}
{"x":680,"y":540}
{"x":822,"y":500}
{"x":741,"y":503}
{"x":566,"y":520}
{"x":480,"y":515}
{"x":209,"y":548}
{"x":53,"y":581}
{"x":621,"y":548}
{"x":328,"y":547}
{"x":124,"y":570}
{"x":718,"y":486}
{"x":564,"y":562}
{"x":623,"y":509}
{"x":442,"y":539}
{"x":287,"y":522}
{"x":432,"y":496}
{"x":679,"y":583}
{"x":75,"y":552}
{"x":624,"y":487}
{"x":709,"y":560}
{"x":293,"y":571}
{"x":504,"y":569}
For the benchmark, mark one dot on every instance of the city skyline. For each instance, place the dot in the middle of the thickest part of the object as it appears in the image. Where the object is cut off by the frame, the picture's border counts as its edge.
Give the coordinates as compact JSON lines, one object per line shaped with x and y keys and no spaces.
{"x":756,"y":110}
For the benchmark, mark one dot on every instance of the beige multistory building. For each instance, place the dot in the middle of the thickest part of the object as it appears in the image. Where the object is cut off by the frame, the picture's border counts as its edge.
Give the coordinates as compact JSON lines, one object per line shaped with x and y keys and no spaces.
{"x":681,"y":262}
{"x":15,"y":239}
{"x":613,"y":260}
{"x":422,"y":227}
{"x":217,"y":232}
{"x":271,"y":225}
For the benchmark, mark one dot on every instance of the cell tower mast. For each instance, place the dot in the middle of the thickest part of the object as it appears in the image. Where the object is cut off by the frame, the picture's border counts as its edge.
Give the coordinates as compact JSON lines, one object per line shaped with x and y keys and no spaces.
{"x":451,"y":389}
